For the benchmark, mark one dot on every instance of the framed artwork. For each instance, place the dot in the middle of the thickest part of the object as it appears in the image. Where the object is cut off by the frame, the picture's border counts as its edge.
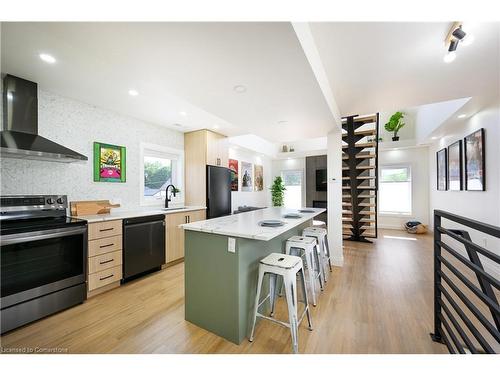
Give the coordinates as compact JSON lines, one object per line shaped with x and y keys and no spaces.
{"x":442,"y":170}
{"x":109,"y":163}
{"x":475,"y":173}
{"x":233,"y":166}
{"x":258,"y":177}
{"x":455,"y":166}
{"x":246,"y":176}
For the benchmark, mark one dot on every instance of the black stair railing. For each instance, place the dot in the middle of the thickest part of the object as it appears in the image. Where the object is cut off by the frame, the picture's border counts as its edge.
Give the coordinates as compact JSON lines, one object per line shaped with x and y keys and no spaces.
{"x":475,"y":330}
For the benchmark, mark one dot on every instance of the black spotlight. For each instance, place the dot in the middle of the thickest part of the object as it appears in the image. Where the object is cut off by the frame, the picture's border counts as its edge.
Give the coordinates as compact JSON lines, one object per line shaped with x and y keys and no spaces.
{"x":459,"y":33}
{"x":453,"y":45}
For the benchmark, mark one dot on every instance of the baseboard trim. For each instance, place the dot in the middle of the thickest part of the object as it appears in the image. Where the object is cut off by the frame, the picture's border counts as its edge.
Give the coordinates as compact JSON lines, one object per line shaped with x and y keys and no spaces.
{"x":339,"y":262}
{"x":397,"y":227}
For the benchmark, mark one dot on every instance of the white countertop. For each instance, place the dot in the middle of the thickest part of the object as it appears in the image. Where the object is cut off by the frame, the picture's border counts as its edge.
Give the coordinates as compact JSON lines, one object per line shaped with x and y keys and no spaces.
{"x":118,"y":214}
{"x":246,"y":225}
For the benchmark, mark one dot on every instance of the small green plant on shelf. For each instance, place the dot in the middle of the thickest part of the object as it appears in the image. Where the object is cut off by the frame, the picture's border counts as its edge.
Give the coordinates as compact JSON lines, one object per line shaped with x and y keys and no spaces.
{"x":278,"y":192}
{"x":395,"y":124}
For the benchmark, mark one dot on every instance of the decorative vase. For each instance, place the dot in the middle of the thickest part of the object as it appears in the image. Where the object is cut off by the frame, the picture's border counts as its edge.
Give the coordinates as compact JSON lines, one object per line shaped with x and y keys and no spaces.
{"x":396,"y":138}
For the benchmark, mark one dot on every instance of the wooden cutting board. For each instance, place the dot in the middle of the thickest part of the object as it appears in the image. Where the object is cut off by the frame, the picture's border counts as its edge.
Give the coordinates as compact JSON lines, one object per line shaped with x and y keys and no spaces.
{"x":81,"y":208}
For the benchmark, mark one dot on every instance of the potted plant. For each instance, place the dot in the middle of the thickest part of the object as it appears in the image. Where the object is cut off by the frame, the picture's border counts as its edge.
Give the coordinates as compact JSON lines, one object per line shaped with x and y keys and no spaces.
{"x":278,"y":192}
{"x":395,"y":124}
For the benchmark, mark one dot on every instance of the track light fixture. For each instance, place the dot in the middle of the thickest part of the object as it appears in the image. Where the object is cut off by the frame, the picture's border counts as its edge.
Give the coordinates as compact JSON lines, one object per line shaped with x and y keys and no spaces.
{"x":455,"y":36}
{"x":453,"y":45}
{"x":459,"y":33}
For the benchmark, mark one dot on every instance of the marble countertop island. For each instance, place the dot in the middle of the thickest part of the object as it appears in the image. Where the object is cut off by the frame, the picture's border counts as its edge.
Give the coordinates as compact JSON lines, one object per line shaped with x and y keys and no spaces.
{"x":246,"y":224}
{"x":221,"y":264}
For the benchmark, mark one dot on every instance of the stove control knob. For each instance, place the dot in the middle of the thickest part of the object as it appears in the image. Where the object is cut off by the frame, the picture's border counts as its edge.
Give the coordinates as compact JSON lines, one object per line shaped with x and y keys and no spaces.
{"x":60,"y":200}
{"x":50,"y":201}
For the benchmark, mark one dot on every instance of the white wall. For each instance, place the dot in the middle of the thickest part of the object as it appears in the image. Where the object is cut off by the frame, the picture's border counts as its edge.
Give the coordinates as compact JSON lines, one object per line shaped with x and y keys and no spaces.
{"x":251,"y":198}
{"x":77,"y":125}
{"x":295,"y":164}
{"x":479,"y":205}
{"x":334,"y":172}
{"x":418,"y":159}
{"x":483,"y":206}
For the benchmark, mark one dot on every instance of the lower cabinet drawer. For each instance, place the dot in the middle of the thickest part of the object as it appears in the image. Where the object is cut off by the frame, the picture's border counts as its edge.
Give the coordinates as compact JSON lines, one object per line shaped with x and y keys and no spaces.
{"x":105,"y":245}
{"x":105,"y":277}
{"x":105,"y":261}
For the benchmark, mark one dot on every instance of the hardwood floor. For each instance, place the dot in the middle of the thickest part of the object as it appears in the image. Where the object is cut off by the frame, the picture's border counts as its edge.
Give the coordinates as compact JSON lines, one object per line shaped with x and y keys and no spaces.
{"x":379,"y":302}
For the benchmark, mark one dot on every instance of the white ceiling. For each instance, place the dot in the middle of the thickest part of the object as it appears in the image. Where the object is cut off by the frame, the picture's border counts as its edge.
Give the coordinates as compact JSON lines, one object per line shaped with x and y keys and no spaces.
{"x":387,"y":66}
{"x":190,"y":67}
{"x":193,"y":67}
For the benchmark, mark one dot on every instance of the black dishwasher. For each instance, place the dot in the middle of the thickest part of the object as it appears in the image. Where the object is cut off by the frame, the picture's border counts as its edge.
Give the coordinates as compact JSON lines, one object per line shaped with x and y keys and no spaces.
{"x":143,"y":245}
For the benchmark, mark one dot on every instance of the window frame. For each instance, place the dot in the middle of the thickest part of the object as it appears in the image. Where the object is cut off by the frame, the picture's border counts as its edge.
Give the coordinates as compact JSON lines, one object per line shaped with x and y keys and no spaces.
{"x":177,"y":157}
{"x":380,"y":182}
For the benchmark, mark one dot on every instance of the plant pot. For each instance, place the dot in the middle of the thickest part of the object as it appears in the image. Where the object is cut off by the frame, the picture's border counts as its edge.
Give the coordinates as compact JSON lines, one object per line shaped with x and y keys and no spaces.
{"x":395,"y":138}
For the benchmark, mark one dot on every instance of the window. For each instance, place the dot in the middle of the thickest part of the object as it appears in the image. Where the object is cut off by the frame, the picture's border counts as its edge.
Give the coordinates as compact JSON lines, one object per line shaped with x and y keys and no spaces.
{"x":160,"y":167}
{"x":293,"y":184}
{"x":395,"y":190}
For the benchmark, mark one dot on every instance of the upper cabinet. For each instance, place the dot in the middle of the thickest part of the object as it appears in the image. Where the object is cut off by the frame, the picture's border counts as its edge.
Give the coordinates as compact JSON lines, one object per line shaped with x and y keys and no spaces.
{"x":217,"y":149}
{"x":202,"y":148}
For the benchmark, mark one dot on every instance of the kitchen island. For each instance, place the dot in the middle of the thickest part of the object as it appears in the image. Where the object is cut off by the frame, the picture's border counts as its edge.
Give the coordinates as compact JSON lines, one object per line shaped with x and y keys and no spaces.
{"x":221,"y":266}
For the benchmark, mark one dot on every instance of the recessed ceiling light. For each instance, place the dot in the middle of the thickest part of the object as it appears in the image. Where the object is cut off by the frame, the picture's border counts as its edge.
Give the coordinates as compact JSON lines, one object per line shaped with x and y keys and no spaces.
{"x":449,"y":57}
{"x":133,"y":92}
{"x":462,"y":115}
{"x":434,"y":138}
{"x":182,"y":113}
{"x":282,"y":122}
{"x":215,"y":127}
{"x":47,"y":58}
{"x":177,"y":124}
{"x":239,"y":89}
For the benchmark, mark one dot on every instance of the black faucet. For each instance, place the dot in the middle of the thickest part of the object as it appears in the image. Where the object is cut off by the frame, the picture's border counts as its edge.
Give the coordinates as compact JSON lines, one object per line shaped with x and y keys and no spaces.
{"x":167,"y":199}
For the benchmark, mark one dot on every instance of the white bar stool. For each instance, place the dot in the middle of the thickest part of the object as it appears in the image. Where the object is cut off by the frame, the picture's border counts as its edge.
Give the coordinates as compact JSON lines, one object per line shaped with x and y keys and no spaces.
{"x":286,"y":266}
{"x":321,"y":235}
{"x":305,"y":247}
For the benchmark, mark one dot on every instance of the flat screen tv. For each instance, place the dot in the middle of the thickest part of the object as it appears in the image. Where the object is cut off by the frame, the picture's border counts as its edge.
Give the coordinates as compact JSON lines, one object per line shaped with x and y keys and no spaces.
{"x":321,"y":180}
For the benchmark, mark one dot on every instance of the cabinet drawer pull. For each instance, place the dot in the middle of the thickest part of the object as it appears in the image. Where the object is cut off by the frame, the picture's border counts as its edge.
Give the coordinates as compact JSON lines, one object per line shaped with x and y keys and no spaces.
{"x":106,"y":261}
{"x":105,"y":230}
{"x":108,"y":245}
{"x":106,"y":277}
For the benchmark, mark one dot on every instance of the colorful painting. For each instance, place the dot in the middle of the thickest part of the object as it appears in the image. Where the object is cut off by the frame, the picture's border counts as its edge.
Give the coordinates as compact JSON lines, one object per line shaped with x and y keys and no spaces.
{"x":442,"y":170}
{"x":233,"y":166}
{"x":475,"y":161}
{"x":455,"y":166}
{"x":246,"y":176}
{"x":109,"y":163}
{"x":258,"y":177}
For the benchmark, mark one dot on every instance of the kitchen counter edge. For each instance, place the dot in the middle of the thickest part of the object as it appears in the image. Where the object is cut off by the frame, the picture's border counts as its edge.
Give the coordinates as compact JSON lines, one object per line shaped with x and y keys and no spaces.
{"x":135,"y":213}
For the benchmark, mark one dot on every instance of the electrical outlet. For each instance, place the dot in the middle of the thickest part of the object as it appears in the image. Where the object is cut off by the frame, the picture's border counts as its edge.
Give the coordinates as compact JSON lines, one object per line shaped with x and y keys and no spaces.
{"x":231,"y":244}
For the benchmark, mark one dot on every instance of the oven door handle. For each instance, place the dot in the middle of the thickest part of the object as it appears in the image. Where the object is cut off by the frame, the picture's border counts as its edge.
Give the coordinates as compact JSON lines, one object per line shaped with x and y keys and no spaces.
{"x":12,"y":239}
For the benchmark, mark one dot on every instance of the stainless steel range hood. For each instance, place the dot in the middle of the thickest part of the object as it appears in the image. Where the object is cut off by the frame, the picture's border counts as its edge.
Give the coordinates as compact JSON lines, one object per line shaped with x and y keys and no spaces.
{"x":19,"y":135}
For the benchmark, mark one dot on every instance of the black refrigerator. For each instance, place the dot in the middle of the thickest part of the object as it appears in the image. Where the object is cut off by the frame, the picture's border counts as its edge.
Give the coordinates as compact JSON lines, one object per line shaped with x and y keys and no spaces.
{"x":218,"y":191}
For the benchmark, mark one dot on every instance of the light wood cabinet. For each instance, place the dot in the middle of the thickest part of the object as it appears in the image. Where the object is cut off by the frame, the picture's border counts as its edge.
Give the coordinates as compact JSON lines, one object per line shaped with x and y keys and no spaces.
{"x":202,"y":148}
{"x":105,"y":258}
{"x":217,"y":149}
{"x":175,"y":234}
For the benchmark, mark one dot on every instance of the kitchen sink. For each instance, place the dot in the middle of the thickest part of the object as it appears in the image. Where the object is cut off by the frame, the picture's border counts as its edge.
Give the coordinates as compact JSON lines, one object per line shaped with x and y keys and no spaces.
{"x":173,"y":208}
